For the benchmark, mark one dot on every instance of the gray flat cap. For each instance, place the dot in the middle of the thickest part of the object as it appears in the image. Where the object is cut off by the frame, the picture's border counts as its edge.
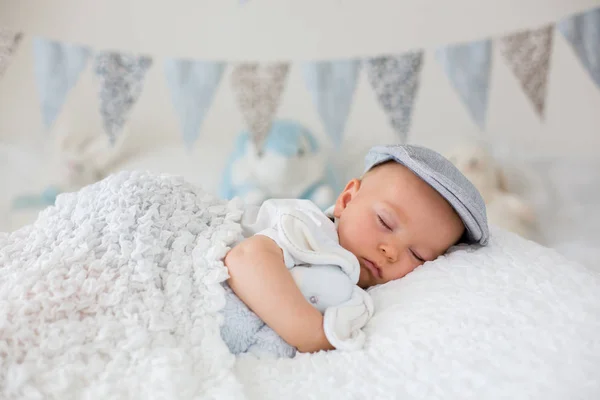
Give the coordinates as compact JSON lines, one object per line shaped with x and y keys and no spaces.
{"x":445,"y":178}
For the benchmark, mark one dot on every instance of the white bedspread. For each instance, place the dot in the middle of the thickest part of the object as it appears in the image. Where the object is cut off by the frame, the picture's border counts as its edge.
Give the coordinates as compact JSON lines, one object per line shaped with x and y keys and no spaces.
{"x":115,"y":294}
{"x":513,"y":320}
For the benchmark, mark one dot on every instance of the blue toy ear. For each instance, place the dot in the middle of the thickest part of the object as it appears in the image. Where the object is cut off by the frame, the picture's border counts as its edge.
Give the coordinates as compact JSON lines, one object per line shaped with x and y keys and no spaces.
{"x":284,"y":137}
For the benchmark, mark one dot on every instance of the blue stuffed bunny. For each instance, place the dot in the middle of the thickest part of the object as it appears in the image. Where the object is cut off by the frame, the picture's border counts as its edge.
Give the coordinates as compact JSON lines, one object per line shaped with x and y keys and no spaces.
{"x":289,"y":164}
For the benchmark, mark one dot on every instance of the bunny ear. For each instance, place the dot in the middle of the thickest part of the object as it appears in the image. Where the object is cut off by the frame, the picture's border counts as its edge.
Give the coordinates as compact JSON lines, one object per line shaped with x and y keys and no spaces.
{"x":307,"y":241}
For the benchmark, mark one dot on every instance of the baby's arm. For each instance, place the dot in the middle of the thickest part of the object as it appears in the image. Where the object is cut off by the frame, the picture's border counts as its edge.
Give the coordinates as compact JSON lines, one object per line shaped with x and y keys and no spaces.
{"x":259,"y":277}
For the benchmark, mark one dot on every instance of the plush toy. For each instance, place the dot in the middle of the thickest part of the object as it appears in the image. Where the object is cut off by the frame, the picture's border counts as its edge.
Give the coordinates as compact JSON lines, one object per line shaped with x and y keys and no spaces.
{"x":505,"y":209}
{"x":327,"y":276}
{"x":289,"y":164}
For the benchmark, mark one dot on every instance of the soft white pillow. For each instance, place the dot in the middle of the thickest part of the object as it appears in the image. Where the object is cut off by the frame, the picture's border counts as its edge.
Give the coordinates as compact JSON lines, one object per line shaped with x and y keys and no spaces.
{"x":512,"y":320}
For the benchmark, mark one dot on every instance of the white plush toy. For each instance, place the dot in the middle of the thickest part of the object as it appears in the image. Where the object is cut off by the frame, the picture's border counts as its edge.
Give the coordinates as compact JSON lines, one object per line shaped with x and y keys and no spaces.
{"x":289,"y":164}
{"x":505,"y":209}
{"x":326,"y":274}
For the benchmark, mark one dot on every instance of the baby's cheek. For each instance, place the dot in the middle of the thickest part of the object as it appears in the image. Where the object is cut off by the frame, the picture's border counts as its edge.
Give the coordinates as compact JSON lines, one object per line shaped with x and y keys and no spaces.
{"x":402,"y":269}
{"x":358,"y":233}
{"x":355,"y":237}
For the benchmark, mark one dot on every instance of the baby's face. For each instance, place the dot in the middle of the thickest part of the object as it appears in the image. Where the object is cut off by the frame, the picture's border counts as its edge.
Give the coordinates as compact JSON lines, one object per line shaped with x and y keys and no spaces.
{"x":393,"y":221}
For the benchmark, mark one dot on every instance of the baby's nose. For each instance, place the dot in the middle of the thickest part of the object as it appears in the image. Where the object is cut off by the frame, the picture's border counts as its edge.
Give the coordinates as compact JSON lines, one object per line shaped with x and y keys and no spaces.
{"x":389,"y":253}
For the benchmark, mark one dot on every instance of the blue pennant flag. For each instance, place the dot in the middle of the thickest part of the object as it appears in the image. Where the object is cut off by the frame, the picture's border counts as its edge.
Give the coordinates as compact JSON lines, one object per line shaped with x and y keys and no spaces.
{"x":121,"y":81}
{"x":583,"y":32}
{"x":468,"y":68}
{"x":57,"y":69}
{"x":332,"y":85}
{"x":192,"y":84}
{"x":395,"y":80}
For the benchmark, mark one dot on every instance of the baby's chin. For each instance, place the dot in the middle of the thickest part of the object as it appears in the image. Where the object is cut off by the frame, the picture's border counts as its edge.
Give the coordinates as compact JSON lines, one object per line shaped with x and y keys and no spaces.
{"x":365,"y":279}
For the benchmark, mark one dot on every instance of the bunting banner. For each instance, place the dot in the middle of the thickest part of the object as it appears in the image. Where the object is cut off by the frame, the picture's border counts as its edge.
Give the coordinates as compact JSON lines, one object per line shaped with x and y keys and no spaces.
{"x":192,"y":84}
{"x":528,"y":56}
{"x":121,"y":79}
{"x":395,"y":81}
{"x":57,"y":68}
{"x":9,"y":41}
{"x":583,"y":32}
{"x":332,"y":85}
{"x":468,"y":69}
{"x":259,"y":88}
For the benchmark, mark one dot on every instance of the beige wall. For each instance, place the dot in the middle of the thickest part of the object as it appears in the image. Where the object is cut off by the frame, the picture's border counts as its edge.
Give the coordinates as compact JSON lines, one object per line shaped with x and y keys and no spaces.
{"x":278,"y":29}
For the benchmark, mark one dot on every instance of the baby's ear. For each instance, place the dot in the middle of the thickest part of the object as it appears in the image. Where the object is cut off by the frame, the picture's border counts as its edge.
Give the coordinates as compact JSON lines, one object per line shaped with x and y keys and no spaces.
{"x":346,"y":196}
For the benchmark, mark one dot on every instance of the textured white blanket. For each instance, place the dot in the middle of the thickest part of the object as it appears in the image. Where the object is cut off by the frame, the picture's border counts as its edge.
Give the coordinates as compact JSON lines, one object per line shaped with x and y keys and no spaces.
{"x":115,"y":294}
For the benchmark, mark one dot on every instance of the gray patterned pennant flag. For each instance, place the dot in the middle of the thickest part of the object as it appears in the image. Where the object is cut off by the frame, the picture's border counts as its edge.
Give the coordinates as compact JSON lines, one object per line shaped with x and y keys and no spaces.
{"x":57,"y":69}
{"x":468,"y":69}
{"x":332,"y":85}
{"x":528,"y":55}
{"x":259,"y":89}
{"x":395,"y":80}
{"x":192,"y":84}
{"x":121,"y":80}
{"x":9,"y":41}
{"x":583,"y":32}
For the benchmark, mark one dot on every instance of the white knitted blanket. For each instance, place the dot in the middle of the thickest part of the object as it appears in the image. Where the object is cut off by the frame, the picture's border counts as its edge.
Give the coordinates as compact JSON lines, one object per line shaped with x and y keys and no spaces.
{"x":115,"y":293}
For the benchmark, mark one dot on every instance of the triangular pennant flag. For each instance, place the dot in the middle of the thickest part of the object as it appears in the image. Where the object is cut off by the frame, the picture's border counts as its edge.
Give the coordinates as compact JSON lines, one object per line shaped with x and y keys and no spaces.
{"x":528,"y":55}
{"x":332,"y":85}
{"x":9,"y":41}
{"x":468,"y":68}
{"x":395,"y":80}
{"x":121,"y":81}
{"x":193,"y":84}
{"x":259,"y":90}
{"x":583,"y":32}
{"x":57,"y":69}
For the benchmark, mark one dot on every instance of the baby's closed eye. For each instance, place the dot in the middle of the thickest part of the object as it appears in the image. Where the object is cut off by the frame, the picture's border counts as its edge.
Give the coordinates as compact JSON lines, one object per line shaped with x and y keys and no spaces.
{"x":416,"y":256}
{"x":383,"y":223}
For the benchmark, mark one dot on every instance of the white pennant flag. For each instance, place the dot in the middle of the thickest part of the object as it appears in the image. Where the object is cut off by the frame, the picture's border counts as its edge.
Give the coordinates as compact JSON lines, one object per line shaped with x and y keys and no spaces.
{"x":121,"y":82}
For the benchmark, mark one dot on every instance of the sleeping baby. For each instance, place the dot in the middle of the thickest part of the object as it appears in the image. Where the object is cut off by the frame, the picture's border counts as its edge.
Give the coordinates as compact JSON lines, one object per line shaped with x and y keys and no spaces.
{"x":303,"y":273}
